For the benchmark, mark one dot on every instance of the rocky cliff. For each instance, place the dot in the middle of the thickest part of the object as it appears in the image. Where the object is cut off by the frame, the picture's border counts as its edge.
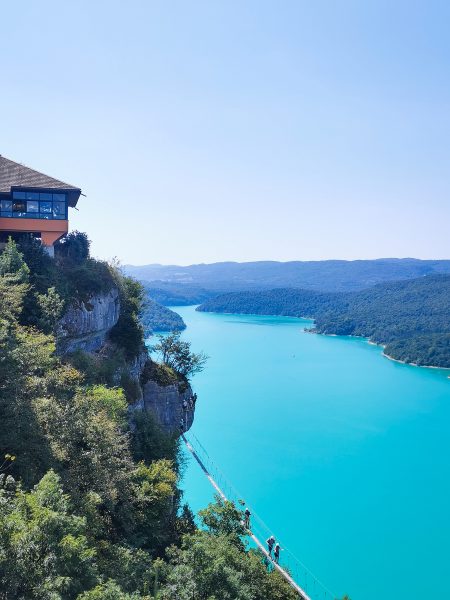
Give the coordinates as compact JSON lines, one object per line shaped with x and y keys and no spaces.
{"x":171,"y":406}
{"x":85,"y":325}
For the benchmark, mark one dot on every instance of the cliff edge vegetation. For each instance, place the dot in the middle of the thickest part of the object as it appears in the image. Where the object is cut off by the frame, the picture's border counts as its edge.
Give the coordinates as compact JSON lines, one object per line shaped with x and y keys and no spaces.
{"x":91,"y":507}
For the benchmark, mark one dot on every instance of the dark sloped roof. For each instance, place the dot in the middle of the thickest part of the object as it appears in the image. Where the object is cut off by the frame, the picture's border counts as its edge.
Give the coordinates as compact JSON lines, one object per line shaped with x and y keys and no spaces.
{"x":13,"y":174}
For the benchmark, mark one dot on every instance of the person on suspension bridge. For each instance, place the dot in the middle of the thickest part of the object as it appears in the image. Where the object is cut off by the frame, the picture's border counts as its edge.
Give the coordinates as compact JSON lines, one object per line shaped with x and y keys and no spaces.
{"x":270,"y":542}
{"x":247,"y":515}
{"x":276,"y":552}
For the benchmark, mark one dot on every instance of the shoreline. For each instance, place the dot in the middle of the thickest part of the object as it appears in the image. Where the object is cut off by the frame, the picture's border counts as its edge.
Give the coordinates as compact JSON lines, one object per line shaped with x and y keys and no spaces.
{"x":361,"y":337}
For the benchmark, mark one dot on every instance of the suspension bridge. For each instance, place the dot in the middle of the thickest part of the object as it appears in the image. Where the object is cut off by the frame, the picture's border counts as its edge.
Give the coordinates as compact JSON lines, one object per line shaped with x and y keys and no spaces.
{"x":295,"y":573}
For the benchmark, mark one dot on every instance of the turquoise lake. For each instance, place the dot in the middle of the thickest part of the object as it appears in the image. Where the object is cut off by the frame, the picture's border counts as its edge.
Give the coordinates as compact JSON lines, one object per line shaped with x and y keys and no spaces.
{"x":342,"y":452}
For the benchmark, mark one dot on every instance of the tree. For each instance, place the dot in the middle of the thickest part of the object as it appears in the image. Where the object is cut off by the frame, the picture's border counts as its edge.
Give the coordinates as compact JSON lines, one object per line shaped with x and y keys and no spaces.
{"x":176,"y":354}
{"x":74,"y":246}
{"x":44,"y":548}
{"x":223,"y":518}
{"x":51,"y":306}
{"x":128,"y":332}
{"x":108,"y":591}
{"x":12,"y":264}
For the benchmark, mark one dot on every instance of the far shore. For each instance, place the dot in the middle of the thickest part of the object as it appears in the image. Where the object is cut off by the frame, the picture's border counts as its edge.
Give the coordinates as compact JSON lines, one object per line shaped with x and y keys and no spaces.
{"x":368,"y":340}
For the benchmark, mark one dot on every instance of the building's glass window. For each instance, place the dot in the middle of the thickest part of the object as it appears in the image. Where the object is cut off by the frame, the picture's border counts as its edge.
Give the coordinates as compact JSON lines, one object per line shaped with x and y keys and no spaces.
{"x":32,"y":206}
{"x":59,"y":209}
{"x":32,"y":195}
{"x":6,"y":208}
{"x":35,"y":205}
{"x":19,"y":206}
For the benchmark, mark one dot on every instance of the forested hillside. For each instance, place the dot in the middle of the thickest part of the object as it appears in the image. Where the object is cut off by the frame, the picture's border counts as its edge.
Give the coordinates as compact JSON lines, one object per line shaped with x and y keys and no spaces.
{"x":173,"y":294}
{"x":412,"y":318}
{"x":90,"y":503}
{"x":156,"y":317}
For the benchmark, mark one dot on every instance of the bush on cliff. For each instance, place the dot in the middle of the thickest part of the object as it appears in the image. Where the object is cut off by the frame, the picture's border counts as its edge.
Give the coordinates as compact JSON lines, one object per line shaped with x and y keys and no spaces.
{"x":176,"y":354}
{"x":128,"y":333}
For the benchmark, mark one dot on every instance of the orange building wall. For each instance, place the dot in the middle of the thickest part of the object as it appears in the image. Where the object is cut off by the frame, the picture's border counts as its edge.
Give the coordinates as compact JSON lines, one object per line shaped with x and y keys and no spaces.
{"x":50,"y":230}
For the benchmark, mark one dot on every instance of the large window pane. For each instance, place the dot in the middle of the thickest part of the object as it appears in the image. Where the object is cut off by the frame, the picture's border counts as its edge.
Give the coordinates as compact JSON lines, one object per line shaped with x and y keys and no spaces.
{"x":6,"y":205}
{"x":46,"y":207}
{"x":45,"y":196}
{"x":59,"y":209}
{"x":32,"y":195}
{"x":19,"y":195}
{"x":19,"y":206}
{"x":59,"y":197}
{"x":32,"y":206}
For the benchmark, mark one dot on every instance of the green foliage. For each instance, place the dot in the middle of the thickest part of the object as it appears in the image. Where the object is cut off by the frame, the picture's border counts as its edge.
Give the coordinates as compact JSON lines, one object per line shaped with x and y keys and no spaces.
{"x":51,"y":308}
{"x":176,"y":294}
{"x":74,"y":247}
{"x":214,"y":564}
{"x":223,"y":518}
{"x":44,"y":547}
{"x":96,"y":368}
{"x":149,"y":442}
{"x":12,"y":265}
{"x":161,"y":373}
{"x":176,"y":354}
{"x":108,"y":591}
{"x":155,"y":317}
{"x":128,"y":332}
{"x":89,"y":505}
{"x":53,"y":284}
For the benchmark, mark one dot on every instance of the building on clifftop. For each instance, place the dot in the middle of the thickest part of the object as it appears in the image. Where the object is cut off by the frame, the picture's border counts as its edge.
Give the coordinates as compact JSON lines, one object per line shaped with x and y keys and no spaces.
{"x":31,"y":202}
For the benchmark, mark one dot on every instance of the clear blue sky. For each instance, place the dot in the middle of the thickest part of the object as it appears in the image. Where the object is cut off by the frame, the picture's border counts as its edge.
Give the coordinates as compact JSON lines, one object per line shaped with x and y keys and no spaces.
{"x":237,"y":130}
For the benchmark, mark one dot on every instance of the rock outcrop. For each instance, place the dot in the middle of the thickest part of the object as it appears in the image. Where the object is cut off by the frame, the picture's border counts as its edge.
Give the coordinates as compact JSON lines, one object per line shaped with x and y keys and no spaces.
{"x":166,"y":402}
{"x":85,"y":325}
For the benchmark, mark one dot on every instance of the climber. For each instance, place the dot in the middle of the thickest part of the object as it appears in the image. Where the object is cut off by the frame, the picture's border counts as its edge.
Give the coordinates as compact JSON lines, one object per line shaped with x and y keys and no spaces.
{"x":247,"y":514}
{"x":277,"y":552}
{"x":270,"y":542}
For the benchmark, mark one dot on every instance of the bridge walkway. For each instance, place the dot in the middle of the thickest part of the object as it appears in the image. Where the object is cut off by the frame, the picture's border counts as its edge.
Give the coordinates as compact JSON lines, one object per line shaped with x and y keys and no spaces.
{"x":324,"y":593}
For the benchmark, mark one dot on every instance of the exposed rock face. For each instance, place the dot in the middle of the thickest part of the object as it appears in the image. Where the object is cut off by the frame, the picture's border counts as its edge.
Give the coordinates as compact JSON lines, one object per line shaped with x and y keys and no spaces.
{"x":84,"y":326}
{"x":166,"y":404}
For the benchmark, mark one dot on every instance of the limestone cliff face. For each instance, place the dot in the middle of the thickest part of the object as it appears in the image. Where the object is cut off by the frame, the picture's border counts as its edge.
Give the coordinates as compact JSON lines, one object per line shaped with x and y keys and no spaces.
{"x":85,"y":325}
{"x":166,"y":404}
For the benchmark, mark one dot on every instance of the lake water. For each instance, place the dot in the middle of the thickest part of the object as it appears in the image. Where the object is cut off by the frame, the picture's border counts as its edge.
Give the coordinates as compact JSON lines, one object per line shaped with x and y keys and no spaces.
{"x":343,"y":453}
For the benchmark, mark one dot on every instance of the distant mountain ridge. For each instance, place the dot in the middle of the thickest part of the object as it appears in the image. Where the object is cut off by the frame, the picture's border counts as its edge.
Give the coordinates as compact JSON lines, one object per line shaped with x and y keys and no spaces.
{"x":327,"y":275}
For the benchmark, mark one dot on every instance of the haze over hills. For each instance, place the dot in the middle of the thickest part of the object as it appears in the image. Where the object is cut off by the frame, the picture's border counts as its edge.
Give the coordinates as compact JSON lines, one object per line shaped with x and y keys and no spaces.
{"x":327,"y":275}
